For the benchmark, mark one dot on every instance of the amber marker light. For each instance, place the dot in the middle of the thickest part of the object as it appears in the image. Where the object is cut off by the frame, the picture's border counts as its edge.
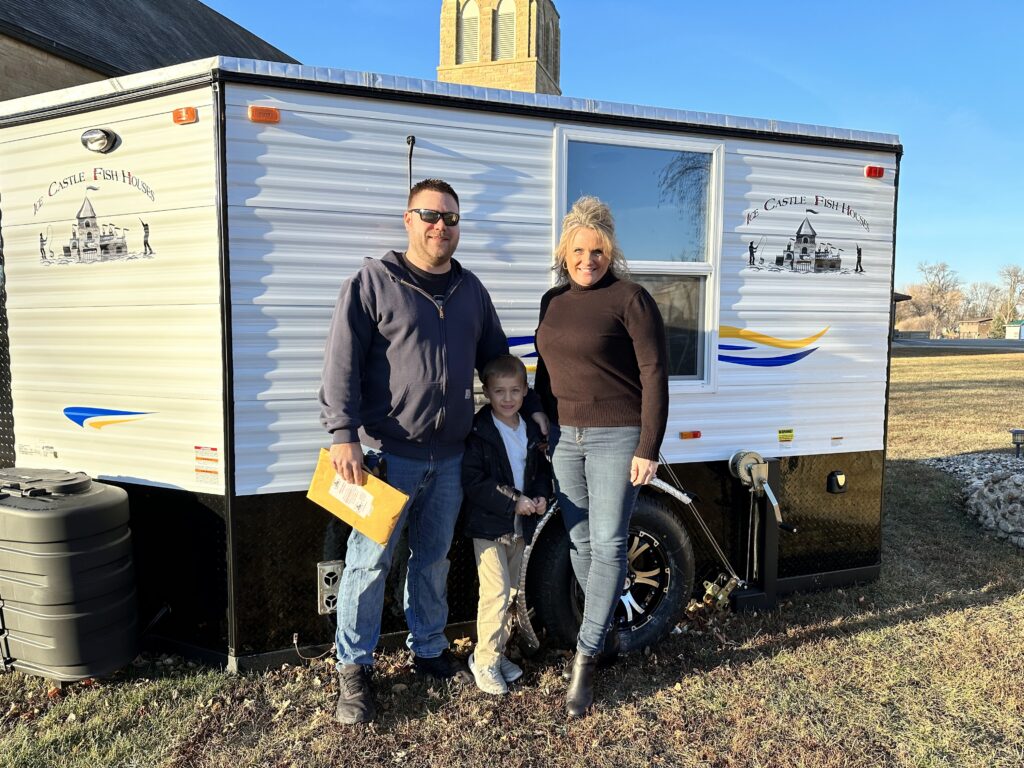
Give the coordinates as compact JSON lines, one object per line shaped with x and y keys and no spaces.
{"x":689,"y":435}
{"x":264,"y":114}
{"x":185,"y":115}
{"x":874,"y":171}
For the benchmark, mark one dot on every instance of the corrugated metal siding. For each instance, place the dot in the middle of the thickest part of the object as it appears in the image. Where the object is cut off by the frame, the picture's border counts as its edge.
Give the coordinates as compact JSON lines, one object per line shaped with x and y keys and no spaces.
{"x":312,"y":196}
{"x":139,"y":334}
{"x":833,"y":398}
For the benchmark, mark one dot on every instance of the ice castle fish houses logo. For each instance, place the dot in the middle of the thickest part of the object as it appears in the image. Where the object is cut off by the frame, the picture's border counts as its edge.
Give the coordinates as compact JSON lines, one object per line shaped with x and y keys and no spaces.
{"x":93,"y":237}
{"x":807,"y":251}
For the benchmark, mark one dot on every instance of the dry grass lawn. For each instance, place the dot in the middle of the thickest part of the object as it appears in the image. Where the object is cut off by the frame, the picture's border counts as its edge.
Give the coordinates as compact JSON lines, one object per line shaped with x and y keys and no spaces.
{"x":923,"y":668}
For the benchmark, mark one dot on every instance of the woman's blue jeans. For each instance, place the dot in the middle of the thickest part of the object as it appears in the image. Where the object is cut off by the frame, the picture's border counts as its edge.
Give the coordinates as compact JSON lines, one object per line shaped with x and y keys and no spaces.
{"x":592,"y":467}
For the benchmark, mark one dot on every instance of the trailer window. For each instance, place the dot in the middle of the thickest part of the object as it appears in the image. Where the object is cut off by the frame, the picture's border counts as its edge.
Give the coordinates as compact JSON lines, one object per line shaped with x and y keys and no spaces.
{"x":659,"y":197}
{"x":680,"y":299}
{"x":662,"y":191}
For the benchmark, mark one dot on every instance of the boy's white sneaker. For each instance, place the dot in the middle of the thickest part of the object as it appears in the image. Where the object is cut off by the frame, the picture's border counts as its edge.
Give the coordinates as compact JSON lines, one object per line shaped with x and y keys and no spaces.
{"x":509,"y":670}
{"x":488,"y":679}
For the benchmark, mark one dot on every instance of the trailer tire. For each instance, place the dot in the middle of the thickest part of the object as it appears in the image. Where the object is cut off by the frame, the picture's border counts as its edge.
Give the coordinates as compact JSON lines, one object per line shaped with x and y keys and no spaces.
{"x":660,"y":580}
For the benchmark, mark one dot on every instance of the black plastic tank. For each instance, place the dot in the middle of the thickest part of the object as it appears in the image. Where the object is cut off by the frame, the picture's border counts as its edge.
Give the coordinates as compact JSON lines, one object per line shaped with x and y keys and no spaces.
{"x":67,"y":586}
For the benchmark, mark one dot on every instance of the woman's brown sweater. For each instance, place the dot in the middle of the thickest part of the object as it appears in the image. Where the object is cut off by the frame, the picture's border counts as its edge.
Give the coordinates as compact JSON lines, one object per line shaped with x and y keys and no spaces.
{"x":602,"y":359}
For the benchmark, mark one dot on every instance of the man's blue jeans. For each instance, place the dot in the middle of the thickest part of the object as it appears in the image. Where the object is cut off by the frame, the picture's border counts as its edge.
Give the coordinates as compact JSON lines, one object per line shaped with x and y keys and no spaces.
{"x":435,"y":495}
{"x":591,"y":466}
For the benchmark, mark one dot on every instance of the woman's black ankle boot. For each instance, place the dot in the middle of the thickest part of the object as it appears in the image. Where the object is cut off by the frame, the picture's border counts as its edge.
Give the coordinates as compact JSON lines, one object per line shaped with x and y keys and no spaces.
{"x":607,"y":657}
{"x":580,"y":695}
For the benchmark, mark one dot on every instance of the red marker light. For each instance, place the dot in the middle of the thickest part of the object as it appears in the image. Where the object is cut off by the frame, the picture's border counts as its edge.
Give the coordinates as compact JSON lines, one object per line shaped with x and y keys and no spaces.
{"x":689,"y":435}
{"x":874,"y":171}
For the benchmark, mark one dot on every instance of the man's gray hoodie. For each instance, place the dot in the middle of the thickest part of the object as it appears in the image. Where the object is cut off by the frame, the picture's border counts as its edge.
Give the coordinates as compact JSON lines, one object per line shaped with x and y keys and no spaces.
{"x":400,"y":365}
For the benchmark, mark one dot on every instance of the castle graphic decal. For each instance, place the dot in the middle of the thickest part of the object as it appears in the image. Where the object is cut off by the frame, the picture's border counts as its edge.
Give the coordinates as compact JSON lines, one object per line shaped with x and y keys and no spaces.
{"x":92,"y":241}
{"x":806,"y":252}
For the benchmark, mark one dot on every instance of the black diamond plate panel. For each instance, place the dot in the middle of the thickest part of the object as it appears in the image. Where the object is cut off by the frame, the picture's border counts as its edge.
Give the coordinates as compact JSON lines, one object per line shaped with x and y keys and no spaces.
{"x":278,"y":541}
{"x":836,"y":531}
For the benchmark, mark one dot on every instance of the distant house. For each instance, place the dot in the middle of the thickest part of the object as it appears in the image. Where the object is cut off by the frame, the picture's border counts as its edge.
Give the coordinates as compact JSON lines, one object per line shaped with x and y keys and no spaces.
{"x":1015,"y":329}
{"x":974,"y":328}
{"x":58,"y":43}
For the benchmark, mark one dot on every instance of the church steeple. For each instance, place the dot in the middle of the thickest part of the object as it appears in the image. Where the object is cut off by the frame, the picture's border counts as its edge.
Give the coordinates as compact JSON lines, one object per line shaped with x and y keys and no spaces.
{"x":511,"y":44}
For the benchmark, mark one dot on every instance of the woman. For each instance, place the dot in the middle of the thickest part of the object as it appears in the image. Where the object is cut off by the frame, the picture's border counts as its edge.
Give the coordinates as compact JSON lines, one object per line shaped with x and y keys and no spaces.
{"x":602,"y":375}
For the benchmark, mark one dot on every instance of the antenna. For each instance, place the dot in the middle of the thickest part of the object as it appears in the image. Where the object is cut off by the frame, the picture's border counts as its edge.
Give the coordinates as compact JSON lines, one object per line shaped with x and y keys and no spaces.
{"x":411,"y":141}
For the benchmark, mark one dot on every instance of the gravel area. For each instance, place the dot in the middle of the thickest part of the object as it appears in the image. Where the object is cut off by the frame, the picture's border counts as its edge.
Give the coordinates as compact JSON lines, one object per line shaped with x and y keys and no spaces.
{"x":993,"y":490}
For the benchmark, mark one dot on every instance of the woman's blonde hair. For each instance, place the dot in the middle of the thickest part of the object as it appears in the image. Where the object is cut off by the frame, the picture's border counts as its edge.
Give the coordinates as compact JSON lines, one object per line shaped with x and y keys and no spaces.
{"x":589,"y":213}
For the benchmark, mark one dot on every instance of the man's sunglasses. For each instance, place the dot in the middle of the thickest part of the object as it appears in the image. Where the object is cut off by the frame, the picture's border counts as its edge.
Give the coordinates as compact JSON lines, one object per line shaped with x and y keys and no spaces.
{"x":450,"y":218}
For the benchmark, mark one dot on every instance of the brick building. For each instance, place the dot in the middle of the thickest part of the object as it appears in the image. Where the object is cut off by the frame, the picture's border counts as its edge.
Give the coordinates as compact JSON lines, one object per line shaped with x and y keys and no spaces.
{"x":511,"y":44}
{"x":50,"y":44}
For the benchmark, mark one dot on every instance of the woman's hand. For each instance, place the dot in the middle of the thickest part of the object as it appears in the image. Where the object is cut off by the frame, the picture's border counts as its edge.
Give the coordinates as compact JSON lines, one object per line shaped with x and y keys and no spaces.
{"x":642,"y":471}
{"x":543,"y":422}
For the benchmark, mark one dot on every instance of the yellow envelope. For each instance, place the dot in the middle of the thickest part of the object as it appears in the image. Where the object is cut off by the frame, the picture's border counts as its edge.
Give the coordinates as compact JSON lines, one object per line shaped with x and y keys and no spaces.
{"x":372,"y":508}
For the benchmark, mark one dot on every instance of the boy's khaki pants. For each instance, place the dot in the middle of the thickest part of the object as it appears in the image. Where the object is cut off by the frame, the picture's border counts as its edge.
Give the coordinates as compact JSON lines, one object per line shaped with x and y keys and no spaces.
{"x":497,"y":566}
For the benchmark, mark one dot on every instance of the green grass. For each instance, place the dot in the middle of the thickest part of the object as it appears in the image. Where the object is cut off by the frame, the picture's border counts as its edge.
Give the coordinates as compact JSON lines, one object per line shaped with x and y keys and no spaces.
{"x":922,"y":668}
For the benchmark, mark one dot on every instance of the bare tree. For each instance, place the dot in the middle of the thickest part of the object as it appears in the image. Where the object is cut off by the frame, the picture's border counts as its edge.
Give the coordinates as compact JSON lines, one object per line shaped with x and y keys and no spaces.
{"x":939,"y":296}
{"x":1011,"y":299}
{"x":980,"y":300}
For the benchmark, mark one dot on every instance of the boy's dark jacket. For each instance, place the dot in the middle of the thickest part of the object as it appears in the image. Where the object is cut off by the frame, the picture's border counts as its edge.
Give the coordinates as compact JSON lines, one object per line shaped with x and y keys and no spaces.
{"x":487,"y":482}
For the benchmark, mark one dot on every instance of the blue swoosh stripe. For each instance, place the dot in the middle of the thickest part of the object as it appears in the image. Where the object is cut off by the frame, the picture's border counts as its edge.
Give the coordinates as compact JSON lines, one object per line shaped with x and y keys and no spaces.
{"x":81,"y":414}
{"x":766,"y":362}
{"x":734,"y":346}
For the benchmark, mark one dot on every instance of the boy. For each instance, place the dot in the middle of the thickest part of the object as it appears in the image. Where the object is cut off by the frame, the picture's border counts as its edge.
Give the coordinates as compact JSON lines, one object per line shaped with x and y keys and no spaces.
{"x":505,"y":477}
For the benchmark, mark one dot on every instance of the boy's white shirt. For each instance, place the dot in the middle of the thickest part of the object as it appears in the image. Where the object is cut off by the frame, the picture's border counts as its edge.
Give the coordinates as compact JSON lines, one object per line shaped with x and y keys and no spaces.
{"x":515,"y":441}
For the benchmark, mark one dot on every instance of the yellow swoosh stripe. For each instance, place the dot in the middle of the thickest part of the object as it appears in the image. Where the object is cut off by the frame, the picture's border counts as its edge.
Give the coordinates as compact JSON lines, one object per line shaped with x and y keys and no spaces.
{"x":732,"y":332}
{"x":100,"y":423}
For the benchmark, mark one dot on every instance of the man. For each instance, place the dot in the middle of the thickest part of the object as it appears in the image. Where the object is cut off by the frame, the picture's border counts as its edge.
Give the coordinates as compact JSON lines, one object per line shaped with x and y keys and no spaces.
{"x":407,"y":333}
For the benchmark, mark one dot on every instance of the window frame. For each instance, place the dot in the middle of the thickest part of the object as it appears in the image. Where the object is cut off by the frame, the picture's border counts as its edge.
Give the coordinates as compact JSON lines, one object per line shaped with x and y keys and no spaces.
{"x":460,"y":33}
{"x":709,"y":269}
{"x":497,"y":29}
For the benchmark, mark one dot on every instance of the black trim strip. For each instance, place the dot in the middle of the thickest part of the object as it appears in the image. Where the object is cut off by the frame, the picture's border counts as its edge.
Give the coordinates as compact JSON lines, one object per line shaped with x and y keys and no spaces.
{"x":228,"y":402}
{"x":888,"y":353}
{"x":550,"y":113}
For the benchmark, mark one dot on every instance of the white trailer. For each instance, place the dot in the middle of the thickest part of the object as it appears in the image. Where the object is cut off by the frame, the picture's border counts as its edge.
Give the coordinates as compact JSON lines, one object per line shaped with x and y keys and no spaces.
{"x":173,"y":243}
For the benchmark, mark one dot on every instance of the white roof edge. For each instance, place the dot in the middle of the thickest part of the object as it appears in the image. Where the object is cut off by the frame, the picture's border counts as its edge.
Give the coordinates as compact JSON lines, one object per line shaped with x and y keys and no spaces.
{"x":334,"y":76}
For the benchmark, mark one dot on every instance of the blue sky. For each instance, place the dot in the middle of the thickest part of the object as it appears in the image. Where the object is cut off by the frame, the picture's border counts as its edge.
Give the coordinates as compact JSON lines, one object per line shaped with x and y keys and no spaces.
{"x":945,"y":76}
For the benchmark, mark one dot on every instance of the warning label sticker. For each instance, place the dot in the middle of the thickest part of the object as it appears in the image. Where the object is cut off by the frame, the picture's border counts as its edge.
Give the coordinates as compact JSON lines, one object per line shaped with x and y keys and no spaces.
{"x":207,"y":459}
{"x":785,"y":435}
{"x":355,"y":497}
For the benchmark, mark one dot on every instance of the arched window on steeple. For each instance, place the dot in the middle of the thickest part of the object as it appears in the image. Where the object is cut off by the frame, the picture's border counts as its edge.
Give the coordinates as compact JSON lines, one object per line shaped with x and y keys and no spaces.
{"x":504,"y":45}
{"x":467,"y":44}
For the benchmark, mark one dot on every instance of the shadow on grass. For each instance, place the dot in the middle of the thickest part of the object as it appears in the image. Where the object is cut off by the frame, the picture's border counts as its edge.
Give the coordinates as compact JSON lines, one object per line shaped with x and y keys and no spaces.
{"x":936,"y":560}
